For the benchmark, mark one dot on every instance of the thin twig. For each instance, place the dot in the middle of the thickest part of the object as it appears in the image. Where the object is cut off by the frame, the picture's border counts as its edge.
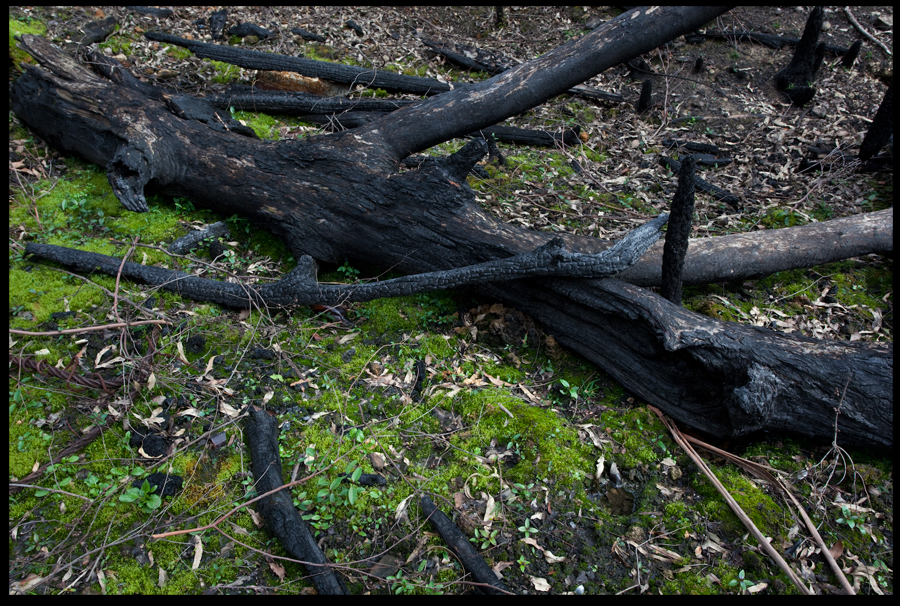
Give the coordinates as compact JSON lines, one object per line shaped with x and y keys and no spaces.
{"x":818,"y":539}
{"x":115,"y":305}
{"x":72,"y":331}
{"x":70,"y":494}
{"x":763,"y":472}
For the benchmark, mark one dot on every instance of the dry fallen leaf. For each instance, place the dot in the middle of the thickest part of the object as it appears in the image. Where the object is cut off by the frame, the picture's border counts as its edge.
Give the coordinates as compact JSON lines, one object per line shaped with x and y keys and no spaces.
{"x":540,"y":584}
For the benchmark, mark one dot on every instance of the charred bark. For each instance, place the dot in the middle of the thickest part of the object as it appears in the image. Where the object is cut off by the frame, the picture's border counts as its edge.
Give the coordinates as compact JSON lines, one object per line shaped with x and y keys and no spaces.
{"x":299,"y":286}
{"x":307,"y":35}
{"x":339,"y":197}
{"x":281,"y":517}
{"x":461,"y":547}
{"x":646,"y":98}
{"x":796,"y":79}
{"x":850,"y":58}
{"x":882,"y":128}
{"x":676,"y":246}
{"x":334,"y":72}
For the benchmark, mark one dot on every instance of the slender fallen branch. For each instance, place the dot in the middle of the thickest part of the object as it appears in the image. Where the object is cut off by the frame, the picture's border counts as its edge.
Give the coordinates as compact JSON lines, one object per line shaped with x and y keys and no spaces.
{"x":462,"y":548}
{"x":70,"y":494}
{"x":299,"y":286}
{"x":281,"y":517}
{"x":225,"y":516}
{"x":73,"y":331}
{"x":826,"y":552}
{"x":739,"y":512}
{"x":764,"y":473}
{"x":866,"y":34}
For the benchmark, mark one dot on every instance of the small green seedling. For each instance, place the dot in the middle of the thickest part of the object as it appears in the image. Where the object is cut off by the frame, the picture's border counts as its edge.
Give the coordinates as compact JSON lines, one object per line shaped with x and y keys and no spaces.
{"x":744,"y":583}
{"x":571,"y":390}
{"x":143,"y":497}
{"x":486,"y":536}
{"x":528,"y":529}
{"x":851,"y":519}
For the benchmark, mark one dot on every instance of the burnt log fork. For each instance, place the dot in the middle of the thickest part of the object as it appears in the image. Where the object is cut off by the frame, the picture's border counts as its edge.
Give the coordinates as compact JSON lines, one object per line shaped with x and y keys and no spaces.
{"x":340,"y":197}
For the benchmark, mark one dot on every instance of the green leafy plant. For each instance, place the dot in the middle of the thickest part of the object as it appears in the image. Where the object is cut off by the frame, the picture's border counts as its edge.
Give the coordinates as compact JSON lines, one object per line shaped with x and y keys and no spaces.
{"x":513,"y":443}
{"x":568,"y":389}
{"x":824,"y":211}
{"x":401,"y":584}
{"x":527,"y":529}
{"x":486,"y":536}
{"x":522,"y":562}
{"x":83,"y":215}
{"x":781,"y":216}
{"x":743,"y":582}
{"x":434,"y":309}
{"x":349,"y":273}
{"x":28,"y":437}
{"x":851,"y":519}
{"x":236,"y":223}
{"x":184,"y":205}
{"x":659,"y":441}
{"x":335,"y":493}
{"x":142,"y":497}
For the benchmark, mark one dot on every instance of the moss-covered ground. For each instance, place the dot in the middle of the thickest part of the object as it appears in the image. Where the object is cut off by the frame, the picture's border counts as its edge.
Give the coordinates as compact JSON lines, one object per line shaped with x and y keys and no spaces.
{"x":465,"y":401}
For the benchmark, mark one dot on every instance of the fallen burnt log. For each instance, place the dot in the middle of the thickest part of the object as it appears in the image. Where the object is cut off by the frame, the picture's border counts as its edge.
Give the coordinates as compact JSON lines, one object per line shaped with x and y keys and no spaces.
{"x":339,"y":197}
{"x":341,"y":114}
{"x":281,"y":517}
{"x":724,"y":378}
{"x":528,"y":136}
{"x":703,"y":185}
{"x":461,"y":547}
{"x":307,"y":35}
{"x":824,"y":159}
{"x":469,"y":57}
{"x":335,"y":72}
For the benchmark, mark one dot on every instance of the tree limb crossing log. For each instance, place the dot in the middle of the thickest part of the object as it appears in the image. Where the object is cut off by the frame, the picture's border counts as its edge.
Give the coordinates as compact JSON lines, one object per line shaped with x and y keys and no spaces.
{"x":299,"y":286}
{"x":339,"y":197}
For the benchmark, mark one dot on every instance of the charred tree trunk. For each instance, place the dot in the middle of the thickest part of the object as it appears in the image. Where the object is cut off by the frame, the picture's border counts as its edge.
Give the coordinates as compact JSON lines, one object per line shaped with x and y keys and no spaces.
{"x":796,"y":79}
{"x":339,"y":197}
{"x":882,"y":128}
{"x":675,"y":248}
